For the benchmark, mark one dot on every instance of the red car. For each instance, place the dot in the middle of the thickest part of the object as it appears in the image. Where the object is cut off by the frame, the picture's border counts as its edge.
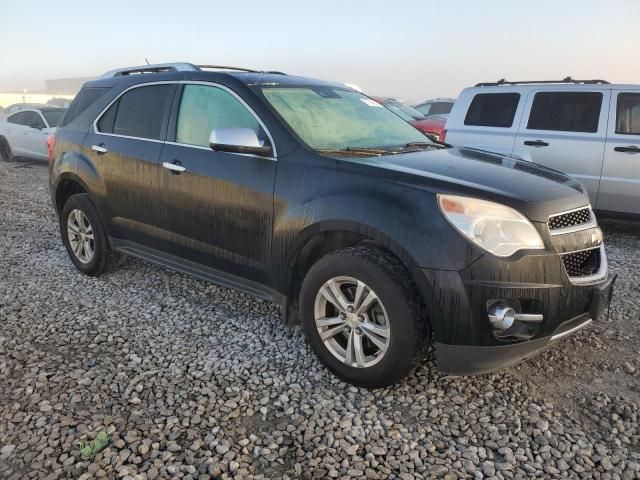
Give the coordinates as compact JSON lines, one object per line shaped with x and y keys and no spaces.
{"x":432,"y":126}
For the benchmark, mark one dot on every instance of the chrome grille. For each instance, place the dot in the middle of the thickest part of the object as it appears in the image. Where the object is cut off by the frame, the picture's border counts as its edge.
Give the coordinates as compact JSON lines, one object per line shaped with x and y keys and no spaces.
{"x":582,"y":263}
{"x":570,"y":219}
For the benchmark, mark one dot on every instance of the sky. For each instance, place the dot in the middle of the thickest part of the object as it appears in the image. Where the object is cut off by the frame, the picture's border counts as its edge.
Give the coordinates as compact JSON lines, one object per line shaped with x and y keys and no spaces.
{"x":414,"y":50}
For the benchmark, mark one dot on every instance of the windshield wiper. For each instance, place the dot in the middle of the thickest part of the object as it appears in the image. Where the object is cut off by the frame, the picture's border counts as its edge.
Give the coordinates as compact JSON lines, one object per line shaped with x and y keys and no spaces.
{"x":424,"y":144}
{"x":355,"y":151}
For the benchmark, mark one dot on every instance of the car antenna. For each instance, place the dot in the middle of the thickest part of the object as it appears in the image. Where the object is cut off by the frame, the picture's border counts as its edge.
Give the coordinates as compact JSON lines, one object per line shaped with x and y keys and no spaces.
{"x":145,"y":59}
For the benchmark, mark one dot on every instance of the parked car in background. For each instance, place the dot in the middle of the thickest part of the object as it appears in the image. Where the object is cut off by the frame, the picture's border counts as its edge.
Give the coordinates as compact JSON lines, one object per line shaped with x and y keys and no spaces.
{"x":16,"y":107}
{"x":24,"y":133}
{"x":437,"y":106}
{"x":589,"y":129}
{"x":59,"y":102}
{"x":314,"y":196}
{"x":428,"y":126}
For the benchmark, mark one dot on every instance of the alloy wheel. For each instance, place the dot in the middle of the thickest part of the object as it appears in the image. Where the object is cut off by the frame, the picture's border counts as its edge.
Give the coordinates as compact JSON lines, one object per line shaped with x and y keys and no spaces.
{"x":80,"y":235}
{"x":352,"y":322}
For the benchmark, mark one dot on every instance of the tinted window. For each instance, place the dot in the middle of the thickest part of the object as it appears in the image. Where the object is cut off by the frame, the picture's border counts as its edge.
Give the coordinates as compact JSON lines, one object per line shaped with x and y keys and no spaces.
{"x":628,"y":114}
{"x":85,"y":98}
{"x":32,"y":119}
{"x":140,"y":112}
{"x":53,"y":116}
{"x":439,"y":108}
{"x":15,"y":118}
{"x":492,"y":110}
{"x":204,"y":108}
{"x":566,"y":111}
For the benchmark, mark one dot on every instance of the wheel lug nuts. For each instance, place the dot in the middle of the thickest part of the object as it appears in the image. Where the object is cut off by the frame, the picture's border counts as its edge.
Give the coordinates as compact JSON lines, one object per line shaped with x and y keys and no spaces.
{"x":350,"y":309}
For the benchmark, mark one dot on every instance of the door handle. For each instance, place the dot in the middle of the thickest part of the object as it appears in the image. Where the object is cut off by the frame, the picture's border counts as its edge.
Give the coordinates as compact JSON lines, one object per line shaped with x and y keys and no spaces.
{"x":175,"y":167}
{"x":629,"y":149}
{"x":536,"y":143}
{"x":99,"y":148}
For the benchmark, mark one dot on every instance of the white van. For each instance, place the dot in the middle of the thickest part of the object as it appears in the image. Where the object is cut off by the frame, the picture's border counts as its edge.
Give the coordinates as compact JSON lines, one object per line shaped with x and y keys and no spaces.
{"x":589,"y":129}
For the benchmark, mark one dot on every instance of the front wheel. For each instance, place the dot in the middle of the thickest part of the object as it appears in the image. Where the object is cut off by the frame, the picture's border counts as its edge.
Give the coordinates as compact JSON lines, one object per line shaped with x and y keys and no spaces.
{"x":361,"y":315}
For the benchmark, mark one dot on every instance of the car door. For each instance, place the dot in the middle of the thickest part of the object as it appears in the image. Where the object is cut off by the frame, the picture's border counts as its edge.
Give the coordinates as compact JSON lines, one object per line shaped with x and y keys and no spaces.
{"x":620,"y":184}
{"x":123,"y":147}
{"x":34,"y":137}
{"x":566,"y":131}
{"x":219,"y":209}
{"x":15,"y":132}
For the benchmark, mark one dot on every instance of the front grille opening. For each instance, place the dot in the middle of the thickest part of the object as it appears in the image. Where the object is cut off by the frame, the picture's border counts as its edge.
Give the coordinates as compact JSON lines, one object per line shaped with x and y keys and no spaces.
{"x":570,"y":219}
{"x":582,"y":264}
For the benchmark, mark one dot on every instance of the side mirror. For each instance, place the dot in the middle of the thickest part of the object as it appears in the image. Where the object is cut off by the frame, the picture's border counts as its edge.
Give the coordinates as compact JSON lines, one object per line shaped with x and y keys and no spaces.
{"x":238,"y":140}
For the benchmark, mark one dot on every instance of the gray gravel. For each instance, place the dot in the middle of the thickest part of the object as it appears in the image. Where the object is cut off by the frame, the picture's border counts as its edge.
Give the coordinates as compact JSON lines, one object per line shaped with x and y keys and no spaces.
{"x":197,"y":381}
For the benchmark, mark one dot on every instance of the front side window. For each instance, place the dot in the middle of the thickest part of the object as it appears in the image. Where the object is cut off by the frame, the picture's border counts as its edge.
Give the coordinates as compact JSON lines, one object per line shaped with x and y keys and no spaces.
{"x":53,"y":116}
{"x":329,"y":118}
{"x":493,"y":110}
{"x":203,"y":108}
{"x":140,"y":112}
{"x":628,"y":114}
{"x":566,"y":111}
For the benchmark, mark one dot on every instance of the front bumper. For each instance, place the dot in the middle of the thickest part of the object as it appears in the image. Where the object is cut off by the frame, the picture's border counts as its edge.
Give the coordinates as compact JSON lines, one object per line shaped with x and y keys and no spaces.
{"x":474,"y":359}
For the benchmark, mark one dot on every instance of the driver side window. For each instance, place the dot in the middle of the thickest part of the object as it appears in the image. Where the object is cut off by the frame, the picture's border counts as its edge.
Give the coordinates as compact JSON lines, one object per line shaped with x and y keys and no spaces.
{"x":203,"y":108}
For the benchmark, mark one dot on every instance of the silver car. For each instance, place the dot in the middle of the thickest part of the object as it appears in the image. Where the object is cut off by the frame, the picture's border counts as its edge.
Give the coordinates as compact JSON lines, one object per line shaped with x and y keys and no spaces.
{"x":589,"y":129}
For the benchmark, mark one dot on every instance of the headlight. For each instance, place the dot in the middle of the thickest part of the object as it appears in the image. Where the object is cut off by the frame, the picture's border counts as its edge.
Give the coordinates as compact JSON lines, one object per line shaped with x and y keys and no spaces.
{"x":496,"y":228}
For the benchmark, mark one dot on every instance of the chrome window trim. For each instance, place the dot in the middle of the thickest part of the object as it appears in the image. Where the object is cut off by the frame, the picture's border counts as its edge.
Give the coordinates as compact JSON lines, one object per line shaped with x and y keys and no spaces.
{"x":187,"y":82}
{"x":209,"y":149}
{"x":574,"y":228}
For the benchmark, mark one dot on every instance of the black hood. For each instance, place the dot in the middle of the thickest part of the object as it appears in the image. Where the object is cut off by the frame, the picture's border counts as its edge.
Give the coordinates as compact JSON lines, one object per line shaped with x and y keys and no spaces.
{"x":534,"y":190}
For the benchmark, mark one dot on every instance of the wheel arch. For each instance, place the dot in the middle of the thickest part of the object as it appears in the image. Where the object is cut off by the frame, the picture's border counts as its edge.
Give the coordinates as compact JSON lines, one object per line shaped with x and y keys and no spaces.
{"x":322,"y":238}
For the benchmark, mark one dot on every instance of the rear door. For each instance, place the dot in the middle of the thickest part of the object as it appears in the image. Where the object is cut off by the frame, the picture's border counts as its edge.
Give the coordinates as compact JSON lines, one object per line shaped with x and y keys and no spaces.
{"x":124,"y":146}
{"x":35,"y":135}
{"x":219,"y":210}
{"x":566,"y":131}
{"x":490,"y":122}
{"x":620,"y":184}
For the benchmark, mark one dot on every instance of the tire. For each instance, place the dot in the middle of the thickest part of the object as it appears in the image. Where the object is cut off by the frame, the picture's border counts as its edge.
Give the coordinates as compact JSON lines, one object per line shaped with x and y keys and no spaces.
{"x":395,"y":314}
{"x":6,"y":154}
{"x":89,"y":250}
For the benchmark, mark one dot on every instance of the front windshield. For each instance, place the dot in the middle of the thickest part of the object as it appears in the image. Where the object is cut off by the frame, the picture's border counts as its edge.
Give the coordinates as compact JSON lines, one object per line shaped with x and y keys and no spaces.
{"x":404,"y":110}
{"x":328,"y":118}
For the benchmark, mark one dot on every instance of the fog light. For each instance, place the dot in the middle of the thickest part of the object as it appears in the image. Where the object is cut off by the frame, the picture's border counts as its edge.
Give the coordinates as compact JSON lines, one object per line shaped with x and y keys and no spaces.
{"x":501,"y":317}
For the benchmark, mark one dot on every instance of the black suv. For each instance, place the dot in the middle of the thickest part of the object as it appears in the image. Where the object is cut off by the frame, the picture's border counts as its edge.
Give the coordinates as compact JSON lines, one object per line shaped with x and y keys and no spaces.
{"x":314,"y":196}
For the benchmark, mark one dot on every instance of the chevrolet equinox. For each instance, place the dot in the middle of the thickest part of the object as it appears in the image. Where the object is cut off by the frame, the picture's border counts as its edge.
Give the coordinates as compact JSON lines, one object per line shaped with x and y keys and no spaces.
{"x":314,"y":196}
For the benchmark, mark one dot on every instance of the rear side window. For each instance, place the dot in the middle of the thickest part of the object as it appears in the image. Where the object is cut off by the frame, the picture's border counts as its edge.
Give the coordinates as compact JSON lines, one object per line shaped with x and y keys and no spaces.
{"x":492,"y":110}
{"x":32,"y":119}
{"x":566,"y":111}
{"x":16,"y":118}
{"x":83,"y":100}
{"x":628,"y":114}
{"x":141,"y":112}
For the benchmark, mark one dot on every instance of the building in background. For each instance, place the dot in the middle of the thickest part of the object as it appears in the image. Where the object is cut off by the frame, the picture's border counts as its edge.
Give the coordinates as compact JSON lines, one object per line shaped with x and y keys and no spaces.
{"x":58,"y":91}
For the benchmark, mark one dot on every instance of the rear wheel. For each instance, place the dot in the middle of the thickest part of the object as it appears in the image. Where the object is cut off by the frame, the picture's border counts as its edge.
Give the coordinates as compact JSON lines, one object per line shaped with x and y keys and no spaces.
{"x":84,"y":236}
{"x":361,"y":315}
{"x":6,"y":154}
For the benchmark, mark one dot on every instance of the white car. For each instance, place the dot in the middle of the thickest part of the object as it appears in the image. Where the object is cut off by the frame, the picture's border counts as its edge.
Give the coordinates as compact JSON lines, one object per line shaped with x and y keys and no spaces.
{"x":25,"y":133}
{"x":589,"y":129}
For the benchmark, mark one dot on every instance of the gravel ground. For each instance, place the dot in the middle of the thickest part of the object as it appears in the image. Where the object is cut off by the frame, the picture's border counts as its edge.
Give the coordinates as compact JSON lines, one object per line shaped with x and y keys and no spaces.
{"x":196,"y":381}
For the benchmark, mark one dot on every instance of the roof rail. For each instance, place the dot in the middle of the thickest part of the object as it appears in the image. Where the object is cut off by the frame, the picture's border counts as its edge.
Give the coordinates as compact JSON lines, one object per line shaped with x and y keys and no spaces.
{"x":503,"y":81}
{"x":174,"y":67}
{"x":155,"y":68}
